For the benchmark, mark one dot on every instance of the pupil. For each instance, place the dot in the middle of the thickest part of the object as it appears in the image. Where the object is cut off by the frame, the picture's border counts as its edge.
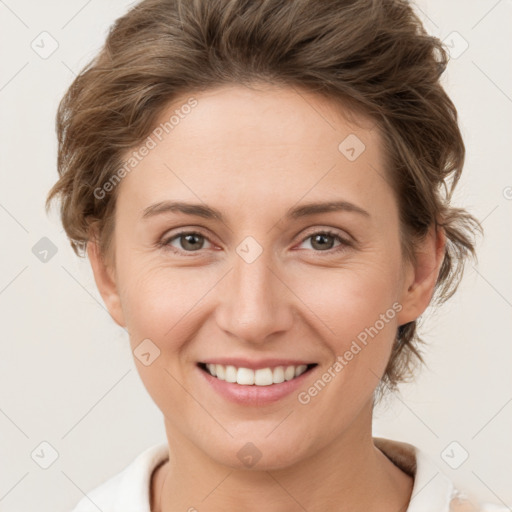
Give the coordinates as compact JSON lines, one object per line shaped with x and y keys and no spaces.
{"x":321,"y":240}
{"x":191,"y":242}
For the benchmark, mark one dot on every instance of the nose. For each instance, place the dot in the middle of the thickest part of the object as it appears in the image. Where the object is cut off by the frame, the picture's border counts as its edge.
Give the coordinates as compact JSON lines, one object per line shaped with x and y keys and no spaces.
{"x":255,"y":304}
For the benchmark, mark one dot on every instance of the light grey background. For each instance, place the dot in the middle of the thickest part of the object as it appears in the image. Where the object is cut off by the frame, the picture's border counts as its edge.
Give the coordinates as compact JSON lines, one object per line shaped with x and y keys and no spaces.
{"x":66,"y":372}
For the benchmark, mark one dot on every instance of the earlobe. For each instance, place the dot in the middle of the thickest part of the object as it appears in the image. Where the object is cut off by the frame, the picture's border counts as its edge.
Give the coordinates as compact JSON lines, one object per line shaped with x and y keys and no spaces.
{"x":420,"y":283}
{"x":104,"y":277}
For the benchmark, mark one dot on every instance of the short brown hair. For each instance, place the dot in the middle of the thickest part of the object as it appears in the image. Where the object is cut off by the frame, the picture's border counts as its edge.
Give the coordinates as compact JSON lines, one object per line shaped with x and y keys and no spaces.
{"x":373,"y":55}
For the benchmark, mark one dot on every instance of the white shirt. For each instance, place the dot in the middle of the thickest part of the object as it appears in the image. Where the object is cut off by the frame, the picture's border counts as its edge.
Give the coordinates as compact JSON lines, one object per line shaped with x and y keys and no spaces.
{"x":129,"y":490}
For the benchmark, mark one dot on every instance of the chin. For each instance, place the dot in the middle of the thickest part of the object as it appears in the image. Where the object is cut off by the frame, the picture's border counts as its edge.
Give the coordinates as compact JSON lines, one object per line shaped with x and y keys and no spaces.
{"x":258,"y":453}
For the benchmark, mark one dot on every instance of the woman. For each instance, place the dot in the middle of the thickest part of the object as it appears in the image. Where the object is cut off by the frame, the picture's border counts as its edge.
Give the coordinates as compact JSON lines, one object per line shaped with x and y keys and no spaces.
{"x":261,"y":189}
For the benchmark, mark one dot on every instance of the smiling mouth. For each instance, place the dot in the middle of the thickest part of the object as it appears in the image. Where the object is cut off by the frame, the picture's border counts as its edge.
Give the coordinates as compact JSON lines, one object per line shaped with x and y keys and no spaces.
{"x":260,"y":377}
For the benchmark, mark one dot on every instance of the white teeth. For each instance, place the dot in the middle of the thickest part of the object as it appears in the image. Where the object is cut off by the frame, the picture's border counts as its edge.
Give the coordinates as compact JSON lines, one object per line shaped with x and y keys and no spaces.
{"x":220,"y":372}
{"x":278,"y":375}
{"x":211,"y":369}
{"x":231,"y":374}
{"x":289,"y":373}
{"x":245,"y":376}
{"x":263,"y":377}
{"x":260,"y":377}
{"x":300,"y":370}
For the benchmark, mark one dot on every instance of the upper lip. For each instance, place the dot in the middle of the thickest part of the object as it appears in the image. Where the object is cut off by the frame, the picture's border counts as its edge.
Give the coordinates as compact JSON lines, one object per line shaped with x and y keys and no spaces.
{"x":253,"y":364}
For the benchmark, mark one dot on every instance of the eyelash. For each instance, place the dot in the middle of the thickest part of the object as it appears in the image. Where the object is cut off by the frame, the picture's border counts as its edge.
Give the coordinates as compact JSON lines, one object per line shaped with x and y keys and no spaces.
{"x":165,"y":243}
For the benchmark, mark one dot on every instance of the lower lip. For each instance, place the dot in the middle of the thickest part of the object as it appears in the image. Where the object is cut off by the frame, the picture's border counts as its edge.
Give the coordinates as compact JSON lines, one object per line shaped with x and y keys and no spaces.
{"x":255,"y":395}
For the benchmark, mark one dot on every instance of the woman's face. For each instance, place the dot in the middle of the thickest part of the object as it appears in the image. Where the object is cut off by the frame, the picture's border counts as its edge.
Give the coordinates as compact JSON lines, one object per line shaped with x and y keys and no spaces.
{"x":265,"y":282}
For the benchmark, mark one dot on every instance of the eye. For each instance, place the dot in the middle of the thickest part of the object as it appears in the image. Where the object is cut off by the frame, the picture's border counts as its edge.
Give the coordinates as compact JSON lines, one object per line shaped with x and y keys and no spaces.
{"x":323,"y":241}
{"x":189,"y":241}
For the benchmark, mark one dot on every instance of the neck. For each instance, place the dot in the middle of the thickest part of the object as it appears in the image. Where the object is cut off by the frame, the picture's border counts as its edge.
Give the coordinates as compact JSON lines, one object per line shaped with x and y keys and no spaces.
{"x":348,"y":474}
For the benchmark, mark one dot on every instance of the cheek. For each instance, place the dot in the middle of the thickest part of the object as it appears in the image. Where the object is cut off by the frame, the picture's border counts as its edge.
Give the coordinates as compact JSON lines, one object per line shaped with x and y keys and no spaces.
{"x":162,"y":304}
{"x":359,"y":316}
{"x":356,"y":311}
{"x":346,"y":301}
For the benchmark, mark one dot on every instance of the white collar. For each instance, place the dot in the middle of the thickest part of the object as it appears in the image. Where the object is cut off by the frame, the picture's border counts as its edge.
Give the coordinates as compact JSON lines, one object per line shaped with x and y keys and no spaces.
{"x":129,"y":490}
{"x":432,"y":490}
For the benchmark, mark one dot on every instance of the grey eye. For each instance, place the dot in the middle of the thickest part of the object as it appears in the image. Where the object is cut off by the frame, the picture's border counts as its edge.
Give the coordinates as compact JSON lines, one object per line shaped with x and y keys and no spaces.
{"x":322,"y":241}
{"x":188,"y":242}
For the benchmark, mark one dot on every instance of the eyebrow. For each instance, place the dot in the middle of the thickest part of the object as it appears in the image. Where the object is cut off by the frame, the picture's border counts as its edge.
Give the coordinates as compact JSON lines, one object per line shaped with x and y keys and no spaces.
{"x":207,"y":212}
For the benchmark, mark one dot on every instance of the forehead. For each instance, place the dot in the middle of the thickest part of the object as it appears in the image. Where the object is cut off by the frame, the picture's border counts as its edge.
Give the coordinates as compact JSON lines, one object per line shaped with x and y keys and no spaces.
{"x":272,"y":143}
{"x":262,"y":119}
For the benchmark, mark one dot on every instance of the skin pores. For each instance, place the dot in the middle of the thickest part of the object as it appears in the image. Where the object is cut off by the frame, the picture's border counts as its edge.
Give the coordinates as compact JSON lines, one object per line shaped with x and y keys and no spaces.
{"x":253,"y":155}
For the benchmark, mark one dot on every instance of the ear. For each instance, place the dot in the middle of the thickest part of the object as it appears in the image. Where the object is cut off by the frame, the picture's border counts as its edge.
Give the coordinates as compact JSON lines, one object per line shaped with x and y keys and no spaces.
{"x":104,"y":275}
{"x":420,"y":277}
